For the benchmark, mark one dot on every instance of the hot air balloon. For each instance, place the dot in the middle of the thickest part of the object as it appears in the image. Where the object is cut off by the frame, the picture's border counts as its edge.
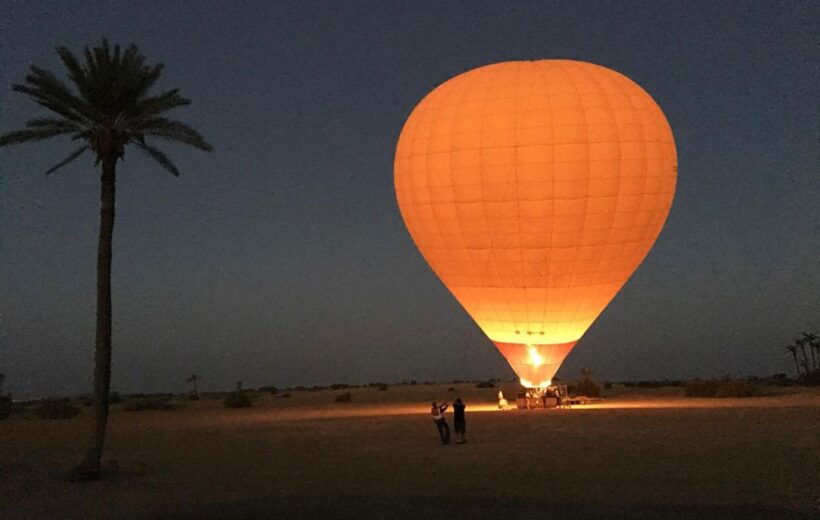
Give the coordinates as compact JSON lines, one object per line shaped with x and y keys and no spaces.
{"x":534,"y":189}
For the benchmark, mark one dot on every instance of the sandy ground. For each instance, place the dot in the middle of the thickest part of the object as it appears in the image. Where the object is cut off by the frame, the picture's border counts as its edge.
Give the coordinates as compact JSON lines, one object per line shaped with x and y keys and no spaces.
{"x":651,"y":455}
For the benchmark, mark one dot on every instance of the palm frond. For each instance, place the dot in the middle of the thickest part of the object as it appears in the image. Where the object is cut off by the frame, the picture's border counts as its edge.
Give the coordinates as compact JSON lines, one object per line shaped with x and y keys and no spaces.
{"x":151,"y":106}
{"x":106,"y":103}
{"x":47,"y":122}
{"x":31,"y":134}
{"x":45,"y":86}
{"x":52,"y":104}
{"x":160,"y":157}
{"x":76,"y":153}
{"x":175,"y":131}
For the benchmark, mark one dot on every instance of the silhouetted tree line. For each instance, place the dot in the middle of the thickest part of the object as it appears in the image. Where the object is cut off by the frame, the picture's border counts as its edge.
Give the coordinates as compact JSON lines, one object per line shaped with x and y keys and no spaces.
{"x":805,"y":352}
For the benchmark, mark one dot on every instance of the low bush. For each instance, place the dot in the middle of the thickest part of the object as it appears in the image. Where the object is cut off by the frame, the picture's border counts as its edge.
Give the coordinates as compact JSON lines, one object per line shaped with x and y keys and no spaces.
{"x":588,"y":388}
{"x":382,"y":387}
{"x":345,"y":397}
{"x":724,"y":388}
{"x":148,"y":403}
{"x":83,"y":400}
{"x":5,"y":406}
{"x":237,"y":400}
{"x":272,"y":390}
{"x":56,"y":409}
{"x":812,"y":378}
{"x":286,"y":395}
{"x":485,"y":384}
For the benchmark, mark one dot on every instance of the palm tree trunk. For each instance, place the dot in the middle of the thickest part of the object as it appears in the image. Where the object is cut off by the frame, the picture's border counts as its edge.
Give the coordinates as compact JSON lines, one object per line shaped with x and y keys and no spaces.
{"x":796,"y":364}
{"x":89,"y":469}
{"x":805,"y":357}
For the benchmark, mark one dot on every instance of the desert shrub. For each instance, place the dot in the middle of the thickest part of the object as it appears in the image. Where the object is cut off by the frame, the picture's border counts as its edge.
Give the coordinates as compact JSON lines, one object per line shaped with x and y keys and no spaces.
{"x":115,"y":398}
{"x":272,"y":390}
{"x":737,"y":388}
{"x":812,"y":378}
{"x":5,"y":406}
{"x":339,"y":386}
{"x":700,"y":388}
{"x":148,"y":403}
{"x":345,"y":397}
{"x":193,"y":397}
{"x":659,"y":384}
{"x":382,"y":387}
{"x":286,"y":395}
{"x":56,"y":409}
{"x":724,"y":388}
{"x":485,"y":384}
{"x":451,"y":389}
{"x":588,"y":388}
{"x":237,"y":400}
{"x":607,"y":385}
{"x":83,"y":400}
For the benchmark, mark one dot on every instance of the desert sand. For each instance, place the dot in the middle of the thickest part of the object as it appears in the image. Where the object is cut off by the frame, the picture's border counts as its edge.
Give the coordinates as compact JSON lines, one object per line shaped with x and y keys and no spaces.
{"x":639,"y":454}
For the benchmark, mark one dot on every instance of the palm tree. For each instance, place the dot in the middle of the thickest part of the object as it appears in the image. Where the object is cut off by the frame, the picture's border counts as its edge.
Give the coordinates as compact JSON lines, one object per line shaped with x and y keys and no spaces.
{"x":811,"y":339}
{"x":193,"y":379}
{"x":2,"y":380}
{"x":801,"y":344}
{"x":792,"y":349}
{"x":108,"y":107}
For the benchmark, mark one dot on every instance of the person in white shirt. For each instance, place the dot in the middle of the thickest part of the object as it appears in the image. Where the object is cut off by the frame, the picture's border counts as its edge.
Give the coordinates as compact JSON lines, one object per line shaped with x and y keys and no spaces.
{"x":437,"y":411}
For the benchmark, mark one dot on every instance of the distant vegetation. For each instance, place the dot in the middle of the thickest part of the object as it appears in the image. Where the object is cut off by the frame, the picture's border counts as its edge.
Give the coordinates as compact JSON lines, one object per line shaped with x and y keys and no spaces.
{"x":149,"y":403}
{"x":722,"y":388}
{"x":345,"y":397}
{"x":5,"y":406}
{"x":56,"y":409}
{"x":193,"y":395}
{"x":586,"y":385}
{"x":238,"y":398}
{"x":805,"y":352}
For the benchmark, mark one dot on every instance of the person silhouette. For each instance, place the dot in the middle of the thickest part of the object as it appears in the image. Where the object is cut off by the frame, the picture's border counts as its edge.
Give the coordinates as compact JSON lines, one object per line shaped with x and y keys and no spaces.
{"x":459,"y":422}
{"x":437,"y":411}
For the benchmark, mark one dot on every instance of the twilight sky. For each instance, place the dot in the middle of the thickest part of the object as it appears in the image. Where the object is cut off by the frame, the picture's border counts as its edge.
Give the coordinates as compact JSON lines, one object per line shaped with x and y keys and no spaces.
{"x":281,"y":258}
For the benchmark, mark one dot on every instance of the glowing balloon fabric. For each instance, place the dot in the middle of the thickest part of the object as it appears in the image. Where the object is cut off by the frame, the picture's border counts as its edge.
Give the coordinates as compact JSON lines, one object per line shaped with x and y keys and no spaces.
{"x":534,"y":190}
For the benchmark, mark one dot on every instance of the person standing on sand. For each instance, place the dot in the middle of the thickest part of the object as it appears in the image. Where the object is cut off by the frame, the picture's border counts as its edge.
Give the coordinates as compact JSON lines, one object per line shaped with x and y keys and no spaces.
{"x":459,"y":423}
{"x":502,"y":403}
{"x":437,"y":411}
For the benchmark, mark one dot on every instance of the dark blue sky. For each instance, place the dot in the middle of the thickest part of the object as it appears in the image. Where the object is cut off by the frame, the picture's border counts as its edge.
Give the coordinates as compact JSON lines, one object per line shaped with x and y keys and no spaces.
{"x":281,"y":258}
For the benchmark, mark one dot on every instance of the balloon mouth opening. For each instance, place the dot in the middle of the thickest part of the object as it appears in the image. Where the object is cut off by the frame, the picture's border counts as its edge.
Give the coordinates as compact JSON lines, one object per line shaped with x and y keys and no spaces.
{"x":542,"y":385}
{"x":535,"y":364}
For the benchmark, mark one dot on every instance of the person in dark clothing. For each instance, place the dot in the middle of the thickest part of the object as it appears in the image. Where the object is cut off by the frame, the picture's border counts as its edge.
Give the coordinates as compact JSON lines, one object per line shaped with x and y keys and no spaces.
{"x":459,"y":423}
{"x":437,"y":411}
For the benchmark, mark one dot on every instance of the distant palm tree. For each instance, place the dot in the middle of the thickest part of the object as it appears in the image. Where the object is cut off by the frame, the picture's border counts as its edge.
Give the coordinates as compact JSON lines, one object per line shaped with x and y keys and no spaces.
{"x":813,"y":342}
{"x":792,"y":349}
{"x":109,"y":107}
{"x":801,"y":344}
{"x":193,"y":379}
{"x":2,"y":380}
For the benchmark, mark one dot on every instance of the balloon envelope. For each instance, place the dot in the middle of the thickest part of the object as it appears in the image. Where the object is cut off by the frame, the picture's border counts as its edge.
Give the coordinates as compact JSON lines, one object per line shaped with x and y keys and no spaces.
{"x":534,"y":190}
